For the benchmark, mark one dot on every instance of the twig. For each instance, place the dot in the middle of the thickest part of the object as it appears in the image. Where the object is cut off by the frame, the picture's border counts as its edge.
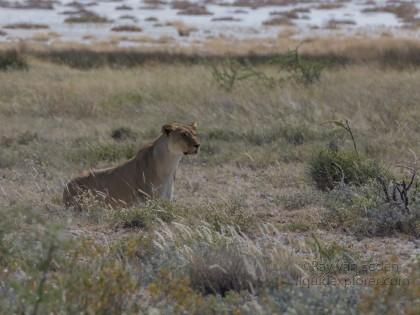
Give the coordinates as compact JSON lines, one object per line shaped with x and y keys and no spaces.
{"x":40,"y":291}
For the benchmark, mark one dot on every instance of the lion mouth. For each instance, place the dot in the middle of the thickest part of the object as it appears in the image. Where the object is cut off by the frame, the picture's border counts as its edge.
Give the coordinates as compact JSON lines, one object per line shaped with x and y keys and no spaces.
{"x":190,"y":153}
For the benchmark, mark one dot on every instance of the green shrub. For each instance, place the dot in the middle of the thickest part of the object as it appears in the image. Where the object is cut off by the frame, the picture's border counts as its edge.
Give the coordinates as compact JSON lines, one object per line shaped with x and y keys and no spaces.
{"x":328,"y":168}
{"x":12,"y":60}
{"x":299,"y":68}
{"x":291,"y":67}
{"x":229,"y":71}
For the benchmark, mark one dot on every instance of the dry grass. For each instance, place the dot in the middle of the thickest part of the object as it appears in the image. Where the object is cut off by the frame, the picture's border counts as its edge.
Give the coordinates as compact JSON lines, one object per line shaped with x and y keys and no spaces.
{"x":147,"y":39}
{"x":329,"y":6}
{"x":246,"y":223}
{"x":183,"y":29}
{"x":44,"y":37}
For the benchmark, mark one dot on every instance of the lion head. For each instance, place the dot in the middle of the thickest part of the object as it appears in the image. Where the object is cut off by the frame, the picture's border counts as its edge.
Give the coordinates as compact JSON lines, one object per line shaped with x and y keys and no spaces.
{"x":182,"y":138}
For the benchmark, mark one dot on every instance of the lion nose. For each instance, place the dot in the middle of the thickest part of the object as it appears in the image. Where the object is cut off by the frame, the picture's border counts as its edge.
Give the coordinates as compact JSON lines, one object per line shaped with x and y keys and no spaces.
{"x":197,"y":145}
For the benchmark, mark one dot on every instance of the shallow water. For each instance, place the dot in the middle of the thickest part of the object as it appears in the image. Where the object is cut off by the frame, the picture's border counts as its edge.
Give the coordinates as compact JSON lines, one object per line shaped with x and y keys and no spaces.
{"x":249,"y":23}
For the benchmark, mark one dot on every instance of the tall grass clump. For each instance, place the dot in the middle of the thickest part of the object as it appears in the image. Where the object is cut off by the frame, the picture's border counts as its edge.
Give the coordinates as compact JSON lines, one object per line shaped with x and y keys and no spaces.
{"x":230,"y":213}
{"x":217,"y":262}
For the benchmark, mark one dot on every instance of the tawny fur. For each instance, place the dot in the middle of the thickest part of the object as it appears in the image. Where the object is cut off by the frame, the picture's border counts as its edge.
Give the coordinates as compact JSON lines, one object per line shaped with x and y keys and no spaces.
{"x":149,"y":175}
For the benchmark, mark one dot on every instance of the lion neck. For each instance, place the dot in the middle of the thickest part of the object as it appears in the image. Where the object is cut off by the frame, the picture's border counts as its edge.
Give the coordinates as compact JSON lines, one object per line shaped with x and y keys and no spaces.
{"x":167,"y":161}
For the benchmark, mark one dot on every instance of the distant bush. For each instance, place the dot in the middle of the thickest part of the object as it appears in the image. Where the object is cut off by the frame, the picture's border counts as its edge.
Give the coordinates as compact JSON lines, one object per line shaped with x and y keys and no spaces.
{"x":126,"y":28}
{"x":230,"y":71}
{"x":85,"y":16}
{"x":299,"y":68}
{"x":291,"y":67}
{"x":12,"y":60}
{"x":329,"y":168}
{"x":26,"y":26}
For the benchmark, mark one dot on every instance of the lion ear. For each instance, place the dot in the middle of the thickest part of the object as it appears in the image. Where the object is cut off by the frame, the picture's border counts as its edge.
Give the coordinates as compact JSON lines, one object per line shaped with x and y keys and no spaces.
{"x":167,"y":129}
{"x":194,"y":125}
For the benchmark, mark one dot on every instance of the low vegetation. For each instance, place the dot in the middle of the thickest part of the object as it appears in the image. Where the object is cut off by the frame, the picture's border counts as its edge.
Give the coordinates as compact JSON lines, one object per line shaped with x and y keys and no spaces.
{"x":126,"y":28}
{"x":12,"y":59}
{"x":26,"y":26}
{"x":85,"y":16}
{"x":366,"y":211}
{"x":303,"y":199}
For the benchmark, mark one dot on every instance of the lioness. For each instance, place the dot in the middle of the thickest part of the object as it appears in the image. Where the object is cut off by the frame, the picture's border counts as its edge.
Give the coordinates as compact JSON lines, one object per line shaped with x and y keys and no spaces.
{"x":150,"y":174}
